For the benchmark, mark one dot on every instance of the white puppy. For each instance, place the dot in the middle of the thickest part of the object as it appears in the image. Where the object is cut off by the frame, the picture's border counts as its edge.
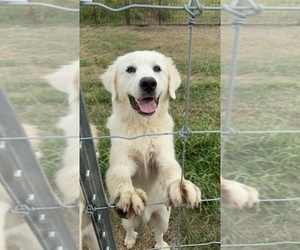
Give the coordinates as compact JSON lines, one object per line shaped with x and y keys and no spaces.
{"x":144,"y":170}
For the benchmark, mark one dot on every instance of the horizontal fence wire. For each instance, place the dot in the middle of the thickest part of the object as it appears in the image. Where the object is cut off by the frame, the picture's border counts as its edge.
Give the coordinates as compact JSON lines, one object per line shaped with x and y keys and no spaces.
{"x":36,"y":4}
{"x":231,"y":132}
{"x":225,"y":7}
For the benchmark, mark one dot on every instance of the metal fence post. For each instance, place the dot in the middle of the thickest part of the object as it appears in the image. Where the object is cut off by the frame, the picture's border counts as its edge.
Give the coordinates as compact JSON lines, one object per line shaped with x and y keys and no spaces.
{"x":24,"y":180}
{"x":92,"y":187}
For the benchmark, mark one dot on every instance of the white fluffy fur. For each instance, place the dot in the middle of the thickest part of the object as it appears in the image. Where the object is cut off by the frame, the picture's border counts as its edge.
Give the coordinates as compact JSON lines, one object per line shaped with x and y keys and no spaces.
{"x":66,"y":79}
{"x":144,"y":170}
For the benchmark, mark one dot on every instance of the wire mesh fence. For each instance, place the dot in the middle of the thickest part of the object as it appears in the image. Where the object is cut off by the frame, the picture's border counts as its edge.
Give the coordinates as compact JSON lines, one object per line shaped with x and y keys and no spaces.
{"x":261,"y":124}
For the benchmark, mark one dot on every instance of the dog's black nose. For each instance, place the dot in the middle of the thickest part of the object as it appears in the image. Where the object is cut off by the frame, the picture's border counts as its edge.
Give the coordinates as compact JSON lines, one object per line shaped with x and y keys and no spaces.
{"x":148,"y":84}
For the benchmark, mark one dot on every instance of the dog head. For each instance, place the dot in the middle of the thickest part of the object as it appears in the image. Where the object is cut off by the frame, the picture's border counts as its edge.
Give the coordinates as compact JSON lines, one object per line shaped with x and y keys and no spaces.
{"x":142,"y":79}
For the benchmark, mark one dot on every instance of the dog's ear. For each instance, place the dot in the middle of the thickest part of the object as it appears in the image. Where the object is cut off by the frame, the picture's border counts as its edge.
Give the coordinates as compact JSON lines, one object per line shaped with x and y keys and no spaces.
{"x":109,"y":80}
{"x":174,"y":78}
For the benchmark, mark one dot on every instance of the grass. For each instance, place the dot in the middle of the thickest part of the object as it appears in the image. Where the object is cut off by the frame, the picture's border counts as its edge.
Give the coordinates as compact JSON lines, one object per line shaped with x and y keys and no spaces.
{"x":266,"y":98}
{"x":99,"y":48}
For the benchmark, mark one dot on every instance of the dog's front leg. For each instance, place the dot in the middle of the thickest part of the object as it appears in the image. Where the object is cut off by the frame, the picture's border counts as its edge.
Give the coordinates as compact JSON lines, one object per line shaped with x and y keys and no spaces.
{"x":128,"y":200}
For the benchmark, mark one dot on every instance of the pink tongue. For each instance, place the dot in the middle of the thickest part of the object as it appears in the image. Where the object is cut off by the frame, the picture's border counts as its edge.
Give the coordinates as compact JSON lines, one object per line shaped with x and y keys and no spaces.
{"x":147,"y":105}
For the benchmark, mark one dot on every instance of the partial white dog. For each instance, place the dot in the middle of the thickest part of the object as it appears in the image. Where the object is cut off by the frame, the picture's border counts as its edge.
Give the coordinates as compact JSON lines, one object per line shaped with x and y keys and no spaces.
{"x":66,"y":79}
{"x":144,"y":170}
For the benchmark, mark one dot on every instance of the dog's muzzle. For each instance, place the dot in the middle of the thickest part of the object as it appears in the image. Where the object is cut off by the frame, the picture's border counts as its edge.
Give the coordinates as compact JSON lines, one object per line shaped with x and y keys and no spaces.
{"x":148,"y":104}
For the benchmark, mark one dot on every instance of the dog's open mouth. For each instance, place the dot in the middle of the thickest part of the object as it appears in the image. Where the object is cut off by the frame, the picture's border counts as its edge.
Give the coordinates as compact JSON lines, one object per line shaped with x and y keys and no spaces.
{"x":145,"y":106}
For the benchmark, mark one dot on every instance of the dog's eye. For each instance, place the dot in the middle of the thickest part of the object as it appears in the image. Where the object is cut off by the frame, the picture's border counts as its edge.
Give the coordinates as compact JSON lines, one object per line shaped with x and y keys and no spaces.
{"x":156,"y":68}
{"x":131,"y":70}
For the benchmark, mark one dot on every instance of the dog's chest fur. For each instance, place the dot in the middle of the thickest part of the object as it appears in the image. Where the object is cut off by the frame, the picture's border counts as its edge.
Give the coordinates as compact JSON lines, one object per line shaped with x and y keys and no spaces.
{"x":143,"y":154}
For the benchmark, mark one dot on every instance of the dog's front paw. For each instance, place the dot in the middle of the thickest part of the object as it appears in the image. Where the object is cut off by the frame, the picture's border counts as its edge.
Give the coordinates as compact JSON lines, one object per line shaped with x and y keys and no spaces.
{"x":185,"y":192}
{"x":130,"y":203}
{"x":235,"y":194}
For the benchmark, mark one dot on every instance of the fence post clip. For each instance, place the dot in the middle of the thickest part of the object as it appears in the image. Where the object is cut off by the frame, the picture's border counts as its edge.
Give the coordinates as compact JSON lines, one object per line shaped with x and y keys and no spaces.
{"x":21,"y":209}
{"x":188,"y":6}
{"x":184,"y":133}
{"x":89,"y":209}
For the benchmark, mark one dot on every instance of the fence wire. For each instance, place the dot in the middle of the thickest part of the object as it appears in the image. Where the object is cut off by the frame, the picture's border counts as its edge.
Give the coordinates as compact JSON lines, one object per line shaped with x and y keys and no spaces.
{"x":32,"y":4}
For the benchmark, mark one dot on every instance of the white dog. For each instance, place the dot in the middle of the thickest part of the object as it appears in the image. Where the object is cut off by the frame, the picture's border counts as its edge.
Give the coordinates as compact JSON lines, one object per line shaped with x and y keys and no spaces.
{"x":66,"y":79}
{"x":144,"y":170}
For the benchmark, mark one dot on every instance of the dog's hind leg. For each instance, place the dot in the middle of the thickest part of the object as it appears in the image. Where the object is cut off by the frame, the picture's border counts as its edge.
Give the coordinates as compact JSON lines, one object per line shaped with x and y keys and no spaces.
{"x":160,"y":221}
{"x":131,"y":235}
